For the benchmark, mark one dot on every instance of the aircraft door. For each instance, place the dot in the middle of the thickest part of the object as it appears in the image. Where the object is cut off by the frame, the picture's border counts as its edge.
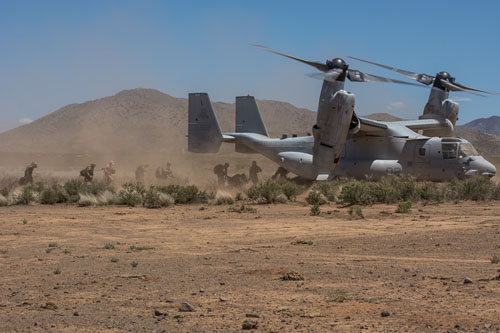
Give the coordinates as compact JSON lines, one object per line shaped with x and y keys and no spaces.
{"x":422,"y":158}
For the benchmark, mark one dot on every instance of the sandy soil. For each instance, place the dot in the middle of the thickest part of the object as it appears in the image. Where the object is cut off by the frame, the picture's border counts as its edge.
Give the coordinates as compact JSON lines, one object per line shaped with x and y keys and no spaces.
{"x":229,"y":265}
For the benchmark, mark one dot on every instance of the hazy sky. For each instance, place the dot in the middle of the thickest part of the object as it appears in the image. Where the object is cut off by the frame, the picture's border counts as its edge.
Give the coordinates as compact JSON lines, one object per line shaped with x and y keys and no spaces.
{"x":54,"y":53}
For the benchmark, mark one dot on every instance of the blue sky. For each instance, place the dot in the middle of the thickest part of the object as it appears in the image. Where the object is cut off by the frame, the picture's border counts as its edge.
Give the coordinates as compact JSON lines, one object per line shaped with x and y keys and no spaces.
{"x":54,"y":53}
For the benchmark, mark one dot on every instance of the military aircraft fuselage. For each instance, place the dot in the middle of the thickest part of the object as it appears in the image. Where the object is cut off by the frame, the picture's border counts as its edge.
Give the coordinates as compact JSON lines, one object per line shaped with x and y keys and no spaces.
{"x":376,"y":156}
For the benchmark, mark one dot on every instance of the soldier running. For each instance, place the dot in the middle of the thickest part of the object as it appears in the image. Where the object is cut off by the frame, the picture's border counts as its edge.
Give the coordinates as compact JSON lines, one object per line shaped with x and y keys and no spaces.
{"x":164,"y":173}
{"x":88,"y":173}
{"x":109,"y":171}
{"x":253,"y":171}
{"x":140,"y":173}
{"x":28,"y":174}
{"x":280,"y":173}
{"x":221,"y":172}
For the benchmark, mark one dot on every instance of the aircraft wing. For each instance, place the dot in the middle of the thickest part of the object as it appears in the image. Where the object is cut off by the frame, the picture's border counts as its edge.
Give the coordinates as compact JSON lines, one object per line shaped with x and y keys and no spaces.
{"x":369,"y":125}
{"x":423,"y":124}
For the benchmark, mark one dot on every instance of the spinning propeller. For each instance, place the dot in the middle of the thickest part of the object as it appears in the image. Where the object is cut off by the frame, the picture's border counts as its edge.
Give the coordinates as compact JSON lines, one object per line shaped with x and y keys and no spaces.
{"x":442,"y":80}
{"x":336,"y":70}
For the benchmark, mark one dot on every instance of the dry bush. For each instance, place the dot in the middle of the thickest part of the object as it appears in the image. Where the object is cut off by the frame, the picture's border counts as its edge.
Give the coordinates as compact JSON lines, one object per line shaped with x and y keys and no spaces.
{"x":316,"y":198}
{"x":107,"y":198}
{"x":273,"y":191}
{"x":223,"y":198}
{"x":3,"y":201}
{"x":156,"y":199}
{"x":87,"y":200}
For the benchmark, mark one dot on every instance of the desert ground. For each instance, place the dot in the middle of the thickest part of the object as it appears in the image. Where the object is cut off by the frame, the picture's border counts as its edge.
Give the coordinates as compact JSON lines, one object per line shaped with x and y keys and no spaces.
{"x":67,"y":268}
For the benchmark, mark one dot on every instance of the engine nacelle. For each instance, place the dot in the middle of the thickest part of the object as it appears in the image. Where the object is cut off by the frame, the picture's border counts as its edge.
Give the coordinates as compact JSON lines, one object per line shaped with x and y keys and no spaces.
{"x":331,"y":129}
{"x":299,"y":163}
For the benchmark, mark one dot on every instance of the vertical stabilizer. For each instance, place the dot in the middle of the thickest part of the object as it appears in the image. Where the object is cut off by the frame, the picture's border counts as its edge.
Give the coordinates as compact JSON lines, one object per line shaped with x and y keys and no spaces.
{"x":204,"y":133}
{"x":248,"y":118}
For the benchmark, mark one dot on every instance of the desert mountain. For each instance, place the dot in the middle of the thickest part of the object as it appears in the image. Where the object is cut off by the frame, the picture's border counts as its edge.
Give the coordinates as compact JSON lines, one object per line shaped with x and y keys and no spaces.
{"x":382,"y":117}
{"x":138,"y":120}
{"x":488,"y":125}
{"x":149,"y":121}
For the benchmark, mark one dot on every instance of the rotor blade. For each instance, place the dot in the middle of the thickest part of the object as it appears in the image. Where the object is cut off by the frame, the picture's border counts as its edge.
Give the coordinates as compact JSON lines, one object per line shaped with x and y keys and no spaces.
{"x":422,"y":78}
{"x":358,"y":76}
{"x":315,"y":64}
{"x":331,"y":75}
{"x":474,"y":89}
{"x":453,"y":87}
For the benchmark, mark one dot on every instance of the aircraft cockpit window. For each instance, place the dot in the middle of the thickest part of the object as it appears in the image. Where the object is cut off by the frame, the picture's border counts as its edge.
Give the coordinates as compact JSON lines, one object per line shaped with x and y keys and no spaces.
{"x":466,"y":149}
{"x":450,"y":151}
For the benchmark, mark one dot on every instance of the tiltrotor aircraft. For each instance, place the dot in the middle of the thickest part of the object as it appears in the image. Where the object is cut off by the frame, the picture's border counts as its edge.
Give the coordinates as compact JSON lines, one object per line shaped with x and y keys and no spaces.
{"x":343,"y":144}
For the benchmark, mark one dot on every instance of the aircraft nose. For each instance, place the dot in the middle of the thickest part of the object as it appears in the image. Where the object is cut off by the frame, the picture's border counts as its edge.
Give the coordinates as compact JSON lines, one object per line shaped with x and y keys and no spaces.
{"x":483,"y":167}
{"x":490,"y":169}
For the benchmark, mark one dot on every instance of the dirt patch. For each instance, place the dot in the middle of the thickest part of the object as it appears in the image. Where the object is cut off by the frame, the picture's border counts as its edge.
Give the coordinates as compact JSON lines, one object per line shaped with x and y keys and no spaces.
{"x":409,"y":267}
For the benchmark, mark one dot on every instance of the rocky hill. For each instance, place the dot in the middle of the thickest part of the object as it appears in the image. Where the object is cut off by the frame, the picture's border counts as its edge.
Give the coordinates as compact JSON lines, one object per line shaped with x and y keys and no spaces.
{"x":488,"y":125}
{"x":132,"y":121}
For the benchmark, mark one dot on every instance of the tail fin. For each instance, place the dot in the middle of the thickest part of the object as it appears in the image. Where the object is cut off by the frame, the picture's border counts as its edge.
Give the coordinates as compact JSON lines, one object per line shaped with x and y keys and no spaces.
{"x":204,"y":133}
{"x":248,"y":118}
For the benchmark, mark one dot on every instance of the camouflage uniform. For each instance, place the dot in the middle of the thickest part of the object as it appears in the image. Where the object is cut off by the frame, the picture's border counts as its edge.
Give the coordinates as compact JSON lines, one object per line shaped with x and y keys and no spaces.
{"x":221,"y":172}
{"x":88,"y":173}
{"x":109,"y":171}
{"x":280,"y":173}
{"x":28,"y":174}
{"x":140,"y":173}
{"x":164,"y":173}
{"x":252,"y":173}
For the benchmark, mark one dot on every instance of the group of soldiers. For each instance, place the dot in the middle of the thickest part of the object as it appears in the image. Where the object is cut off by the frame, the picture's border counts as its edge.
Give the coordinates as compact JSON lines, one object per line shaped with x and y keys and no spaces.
{"x":220,"y":170}
{"x":88,"y":173}
{"x":237,"y":180}
{"x":160,"y":173}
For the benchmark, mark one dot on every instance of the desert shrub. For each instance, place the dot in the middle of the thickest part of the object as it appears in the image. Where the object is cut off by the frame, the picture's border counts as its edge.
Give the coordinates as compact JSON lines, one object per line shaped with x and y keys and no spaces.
{"x":73,"y":187}
{"x":3,"y":201}
{"x":97,"y":188}
{"x":106,"y":198}
{"x":273,"y":191}
{"x":86,"y":200}
{"x":281,"y":198}
{"x":185,"y":194}
{"x":329,"y":189}
{"x":430,"y":192}
{"x":24,"y":196}
{"x":223,"y":198}
{"x":269,"y":190}
{"x":404,"y":187}
{"x":477,"y":188}
{"x":7,"y":185}
{"x":355,"y":193}
{"x":495,"y":260}
{"x":404,"y":207}
{"x":355,"y":211}
{"x":290,"y":190}
{"x":130,"y":194}
{"x":316,"y":198}
{"x":381,"y":191}
{"x":315,"y":210}
{"x":156,"y":199}
{"x":53,"y":195}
